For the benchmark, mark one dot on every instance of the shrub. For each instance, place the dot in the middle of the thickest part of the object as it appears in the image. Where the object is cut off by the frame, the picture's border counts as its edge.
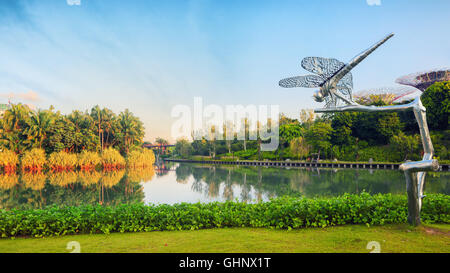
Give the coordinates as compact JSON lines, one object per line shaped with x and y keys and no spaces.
{"x":88,"y":160}
{"x":283,"y":213}
{"x":62,"y":160}
{"x":111,"y":159}
{"x":9,"y":160}
{"x":143,"y":158}
{"x":34,"y":160}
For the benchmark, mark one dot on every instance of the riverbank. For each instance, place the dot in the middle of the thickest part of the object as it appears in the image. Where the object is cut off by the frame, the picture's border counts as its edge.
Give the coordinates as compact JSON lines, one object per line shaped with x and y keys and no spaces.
{"x":302,"y":164}
{"x":400,"y":238}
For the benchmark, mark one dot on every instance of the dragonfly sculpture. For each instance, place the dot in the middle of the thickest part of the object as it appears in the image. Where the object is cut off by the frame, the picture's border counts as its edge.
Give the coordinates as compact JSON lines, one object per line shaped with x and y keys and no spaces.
{"x":335,"y":83}
{"x":332,"y":76}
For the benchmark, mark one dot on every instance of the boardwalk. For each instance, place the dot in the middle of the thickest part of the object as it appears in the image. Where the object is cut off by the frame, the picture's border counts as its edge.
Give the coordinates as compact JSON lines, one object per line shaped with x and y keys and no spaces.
{"x":385,"y":166}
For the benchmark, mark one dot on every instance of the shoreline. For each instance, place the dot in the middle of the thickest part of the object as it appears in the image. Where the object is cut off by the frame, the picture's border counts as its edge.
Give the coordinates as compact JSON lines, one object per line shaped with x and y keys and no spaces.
{"x":303,"y":164}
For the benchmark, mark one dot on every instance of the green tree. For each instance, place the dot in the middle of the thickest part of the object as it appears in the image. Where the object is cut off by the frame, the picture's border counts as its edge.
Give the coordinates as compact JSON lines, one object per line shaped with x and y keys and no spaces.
{"x":299,"y":147}
{"x":289,"y":132}
{"x":318,"y":136}
{"x":436,"y":100}
{"x":406,"y":144}
{"x":131,"y":130}
{"x":38,"y":127}
{"x":12,"y":128}
{"x":183,"y":148}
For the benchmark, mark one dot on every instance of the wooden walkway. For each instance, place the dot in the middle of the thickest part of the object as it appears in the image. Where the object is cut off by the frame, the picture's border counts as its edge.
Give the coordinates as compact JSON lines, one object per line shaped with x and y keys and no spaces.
{"x":299,"y":164}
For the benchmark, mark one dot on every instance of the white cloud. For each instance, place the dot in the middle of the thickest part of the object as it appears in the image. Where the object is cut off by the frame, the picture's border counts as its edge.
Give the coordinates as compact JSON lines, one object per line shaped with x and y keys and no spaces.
{"x":73,"y":2}
{"x":373,"y":2}
{"x":29,"y":96}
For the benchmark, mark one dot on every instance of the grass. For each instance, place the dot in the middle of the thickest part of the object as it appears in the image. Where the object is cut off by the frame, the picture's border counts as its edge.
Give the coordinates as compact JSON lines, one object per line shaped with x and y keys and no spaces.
{"x":349,"y":238}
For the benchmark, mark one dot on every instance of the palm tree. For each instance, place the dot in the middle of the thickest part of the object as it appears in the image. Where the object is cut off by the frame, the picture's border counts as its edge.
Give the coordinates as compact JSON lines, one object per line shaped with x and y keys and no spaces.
{"x":15,"y":117}
{"x":38,"y":126}
{"x":131,"y":129}
{"x":107,"y":126}
{"x":96,"y":114}
{"x":11,"y":127}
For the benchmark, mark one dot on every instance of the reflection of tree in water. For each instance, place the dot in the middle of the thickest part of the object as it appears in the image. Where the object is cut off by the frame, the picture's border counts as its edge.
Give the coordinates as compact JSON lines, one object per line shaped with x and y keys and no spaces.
{"x":183,"y":171}
{"x":63,"y":178}
{"x":34,"y":181}
{"x":8,"y":180}
{"x":271,"y":182}
{"x":437,"y":182}
{"x":111,"y":178}
{"x":245,"y":189}
{"x":88,"y":178}
{"x":228,"y":187}
{"x":163,"y":167}
{"x":32,"y":191}
{"x":137,"y":175}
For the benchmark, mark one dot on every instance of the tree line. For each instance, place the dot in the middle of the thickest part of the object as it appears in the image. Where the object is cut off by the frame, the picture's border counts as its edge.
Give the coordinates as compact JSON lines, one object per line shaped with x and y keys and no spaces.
{"x":47,"y":139}
{"x":349,"y":136}
{"x":100,"y":128}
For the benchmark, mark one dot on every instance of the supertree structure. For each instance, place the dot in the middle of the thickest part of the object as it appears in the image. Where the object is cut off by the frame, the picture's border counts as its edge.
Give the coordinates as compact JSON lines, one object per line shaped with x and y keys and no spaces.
{"x":387,"y":95}
{"x":423,"y":80}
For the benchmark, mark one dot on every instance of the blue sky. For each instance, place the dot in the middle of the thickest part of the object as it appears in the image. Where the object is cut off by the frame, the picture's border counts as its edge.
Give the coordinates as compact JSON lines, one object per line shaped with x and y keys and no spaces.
{"x":148,"y":56}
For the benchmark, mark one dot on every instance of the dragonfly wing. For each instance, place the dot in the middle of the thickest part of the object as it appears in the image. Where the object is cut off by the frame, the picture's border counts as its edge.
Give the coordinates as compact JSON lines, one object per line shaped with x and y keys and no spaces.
{"x":326,"y":67}
{"x":308,"y":81}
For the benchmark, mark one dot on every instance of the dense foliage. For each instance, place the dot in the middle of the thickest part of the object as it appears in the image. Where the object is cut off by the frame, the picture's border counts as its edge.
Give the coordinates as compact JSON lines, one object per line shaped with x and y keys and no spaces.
{"x":284,"y":213}
{"x":22,"y":129}
{"x":349,"y":136}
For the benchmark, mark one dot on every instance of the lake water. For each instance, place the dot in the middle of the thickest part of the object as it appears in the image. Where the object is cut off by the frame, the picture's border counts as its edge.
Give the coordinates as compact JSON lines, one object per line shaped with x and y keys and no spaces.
{"x":185,"y":182}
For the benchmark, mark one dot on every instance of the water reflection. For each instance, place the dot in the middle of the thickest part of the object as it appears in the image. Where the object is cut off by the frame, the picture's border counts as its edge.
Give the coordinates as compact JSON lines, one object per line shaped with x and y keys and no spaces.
{"x":174,"y":183}
{"x":205,"y":183}
{"x":8,"y":181}
{"x":34,"y":181}
{"x":36,"y":190}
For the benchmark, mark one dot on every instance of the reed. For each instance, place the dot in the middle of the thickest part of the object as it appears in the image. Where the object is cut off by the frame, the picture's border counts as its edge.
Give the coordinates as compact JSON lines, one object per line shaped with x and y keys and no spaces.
{"x":88,"y":160}
{"x":111,"y":159}
{"x":34,"y":160}
{"x":8,"y":161}
{"x":136,"y":159}
{"x":62,"y":161}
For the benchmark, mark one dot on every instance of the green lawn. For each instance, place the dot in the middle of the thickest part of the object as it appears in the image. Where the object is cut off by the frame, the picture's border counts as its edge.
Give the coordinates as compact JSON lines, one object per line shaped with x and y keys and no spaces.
{"x":350,"y":238}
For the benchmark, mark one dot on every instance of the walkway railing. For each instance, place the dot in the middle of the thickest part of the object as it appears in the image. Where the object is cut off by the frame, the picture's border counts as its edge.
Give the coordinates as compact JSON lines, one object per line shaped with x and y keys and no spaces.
{"x":300,"y":164}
